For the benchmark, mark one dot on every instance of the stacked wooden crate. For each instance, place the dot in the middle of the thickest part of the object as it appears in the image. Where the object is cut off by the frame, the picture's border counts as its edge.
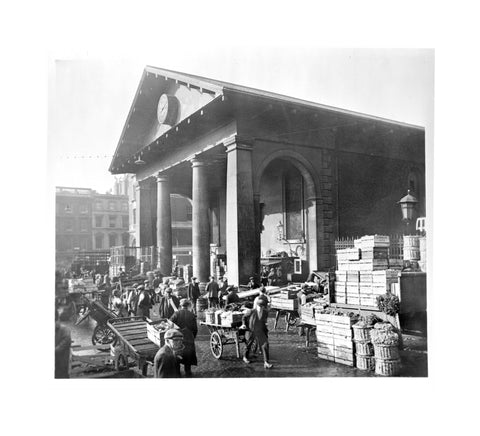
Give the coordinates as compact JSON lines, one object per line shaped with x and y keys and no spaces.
{"x":334,"y":338}
{"x":363,"y":271}
{"x":308,"y":312}
{"x":286,"y":299}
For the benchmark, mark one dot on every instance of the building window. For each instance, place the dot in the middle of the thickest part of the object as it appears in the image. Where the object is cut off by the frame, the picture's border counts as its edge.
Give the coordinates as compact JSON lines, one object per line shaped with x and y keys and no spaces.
{"x":134,"y":215}
{"x":112,"y":239}
{"x":83,"y":244}
{"x":293,"y":205}
{"x":125,"y":221}
{"x":99,"y":241}
{"x":68,"y":208}
{"x":83,"y":225}
{"x":98,"y":205}
{"x":69,"y":225}
{"x":125,"y":239}
{"x":112,"y":221}
{"x":83,"y":208}
{"x":98,"y":220}
{"x":124,"y":206}
{"x":111,"y":205}
{"x":189,"y":211}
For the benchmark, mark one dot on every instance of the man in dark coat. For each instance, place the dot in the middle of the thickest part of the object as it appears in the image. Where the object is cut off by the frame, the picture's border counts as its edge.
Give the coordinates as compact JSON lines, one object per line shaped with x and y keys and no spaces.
{"x":169,"y":304}
{"x":144,"y":302}
{"x":187,"y":323}
{"x":257,"y":325}
{"x":232,"y":296}
{"x":63,"y":341}
{"x":193,"y":292}
{"x":166,"y":362}
{"x":212,"y":292}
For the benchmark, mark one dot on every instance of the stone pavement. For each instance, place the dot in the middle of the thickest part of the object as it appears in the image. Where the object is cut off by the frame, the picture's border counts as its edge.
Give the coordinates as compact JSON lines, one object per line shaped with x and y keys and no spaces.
{"x":288,"y":355}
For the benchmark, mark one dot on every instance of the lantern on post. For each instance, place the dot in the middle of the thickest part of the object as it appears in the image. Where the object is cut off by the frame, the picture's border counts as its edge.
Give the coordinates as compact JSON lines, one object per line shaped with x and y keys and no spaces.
{"x":408,"y":204}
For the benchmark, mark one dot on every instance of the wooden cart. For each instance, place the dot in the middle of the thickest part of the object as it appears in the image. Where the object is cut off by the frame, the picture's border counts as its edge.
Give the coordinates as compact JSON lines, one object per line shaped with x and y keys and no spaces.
{"x":133,"y":342}
{"x":102,"y":333}
{"x":221,"y":335}
{"x":292,"y":317}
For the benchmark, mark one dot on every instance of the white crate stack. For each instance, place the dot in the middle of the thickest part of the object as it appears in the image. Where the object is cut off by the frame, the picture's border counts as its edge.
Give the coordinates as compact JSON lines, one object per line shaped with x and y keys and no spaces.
{"x":334,"y":338}
{"x":363,"y":272}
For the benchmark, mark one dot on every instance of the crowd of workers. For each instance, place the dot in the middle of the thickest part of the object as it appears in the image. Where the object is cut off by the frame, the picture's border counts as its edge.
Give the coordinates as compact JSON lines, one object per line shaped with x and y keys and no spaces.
{"x":156,"y":294}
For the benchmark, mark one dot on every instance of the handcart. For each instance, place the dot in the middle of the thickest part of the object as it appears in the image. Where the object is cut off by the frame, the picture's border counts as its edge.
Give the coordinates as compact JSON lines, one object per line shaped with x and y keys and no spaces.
{"x":133,"y":342}
{"x":102,"y":333}
{"x":221,"y":335}
{"x":291,"y":317}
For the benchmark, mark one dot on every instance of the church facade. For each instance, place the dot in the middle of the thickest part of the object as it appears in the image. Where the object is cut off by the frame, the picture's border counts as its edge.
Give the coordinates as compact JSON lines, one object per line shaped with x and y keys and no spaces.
{"x":266,"y":174}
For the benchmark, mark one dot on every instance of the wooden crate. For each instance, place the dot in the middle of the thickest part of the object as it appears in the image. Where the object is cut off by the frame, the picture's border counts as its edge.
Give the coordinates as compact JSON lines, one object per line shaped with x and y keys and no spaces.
{"x":353,"y":277}
{"x":344,"y":354}
{"x":325,"y":356}
{"x":341,"y":299}
{"x":375,"y":253}
{"x":341,"y":276}
{"x":347,"y":254}
{"x":327,"y":349}
{"x":365,"y":277}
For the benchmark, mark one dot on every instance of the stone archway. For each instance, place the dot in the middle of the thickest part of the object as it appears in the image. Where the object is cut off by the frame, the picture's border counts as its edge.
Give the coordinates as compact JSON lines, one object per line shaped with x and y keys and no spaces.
{"x":312,"y":207}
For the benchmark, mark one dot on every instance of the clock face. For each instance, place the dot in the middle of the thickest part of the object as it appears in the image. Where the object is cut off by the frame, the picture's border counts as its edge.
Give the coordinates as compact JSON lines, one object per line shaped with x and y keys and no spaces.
{"x":167,"y":109}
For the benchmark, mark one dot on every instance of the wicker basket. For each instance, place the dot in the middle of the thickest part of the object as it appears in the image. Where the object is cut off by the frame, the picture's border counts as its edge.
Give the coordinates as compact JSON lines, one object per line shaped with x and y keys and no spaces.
{"x":365,"y":362}
{"x":361,"y":333}
{"x":364,"y":348}
{"x":386,"y":351}
{"x":387,"y":367}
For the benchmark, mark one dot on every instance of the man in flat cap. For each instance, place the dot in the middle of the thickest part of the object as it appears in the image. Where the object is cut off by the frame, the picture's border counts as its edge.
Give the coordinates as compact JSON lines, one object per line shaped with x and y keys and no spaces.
{"x":166,"y":362}
{"x":187,"y":322}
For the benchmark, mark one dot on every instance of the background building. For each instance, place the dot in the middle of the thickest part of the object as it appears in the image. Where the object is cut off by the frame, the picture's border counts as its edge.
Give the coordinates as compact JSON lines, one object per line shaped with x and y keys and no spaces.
{"x":88,"y":224}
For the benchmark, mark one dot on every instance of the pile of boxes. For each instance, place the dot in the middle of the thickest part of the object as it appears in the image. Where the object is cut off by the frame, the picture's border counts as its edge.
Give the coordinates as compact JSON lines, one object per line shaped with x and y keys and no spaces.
{"x":334,"y":338}
{"x":363,"y":271}
{"x":286,"y":299}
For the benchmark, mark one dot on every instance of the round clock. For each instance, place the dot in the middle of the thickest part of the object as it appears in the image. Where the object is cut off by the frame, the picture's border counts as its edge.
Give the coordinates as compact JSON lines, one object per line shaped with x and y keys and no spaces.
{"x":167,"y":109}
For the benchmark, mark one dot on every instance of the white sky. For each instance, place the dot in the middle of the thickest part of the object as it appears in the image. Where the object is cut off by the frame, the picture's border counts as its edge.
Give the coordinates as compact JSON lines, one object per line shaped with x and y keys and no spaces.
{"x":89,"y":99}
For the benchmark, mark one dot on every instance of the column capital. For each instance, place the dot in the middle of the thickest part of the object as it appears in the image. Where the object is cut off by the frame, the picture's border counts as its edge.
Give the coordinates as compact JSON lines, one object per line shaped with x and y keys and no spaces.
{"x":197,"y":162}
{"x":236,"y":142}
{"x":160,"y":177}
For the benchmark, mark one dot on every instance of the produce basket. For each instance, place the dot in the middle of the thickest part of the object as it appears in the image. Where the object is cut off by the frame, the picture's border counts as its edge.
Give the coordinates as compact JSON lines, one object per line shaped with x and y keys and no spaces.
{"x":361,"y":333}
{"x":365,"y":362}
{"x":386,"y":351}
{"x":364,"y":348}
{"x":231,"y":319}
{"x":387,"y":367}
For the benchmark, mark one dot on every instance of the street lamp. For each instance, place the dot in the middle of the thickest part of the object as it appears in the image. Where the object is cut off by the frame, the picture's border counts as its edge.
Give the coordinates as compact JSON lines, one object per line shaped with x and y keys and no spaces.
{"x":408,"y":204}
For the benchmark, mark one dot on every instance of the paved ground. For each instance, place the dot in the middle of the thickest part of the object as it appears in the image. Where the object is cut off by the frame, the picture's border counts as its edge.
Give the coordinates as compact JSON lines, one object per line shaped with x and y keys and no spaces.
{"x":288,"y":355}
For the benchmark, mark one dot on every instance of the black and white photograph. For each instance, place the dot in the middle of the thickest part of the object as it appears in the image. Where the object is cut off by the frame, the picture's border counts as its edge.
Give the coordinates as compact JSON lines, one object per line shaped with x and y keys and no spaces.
{"x":240,"y":217}
{"x":224,"y":230}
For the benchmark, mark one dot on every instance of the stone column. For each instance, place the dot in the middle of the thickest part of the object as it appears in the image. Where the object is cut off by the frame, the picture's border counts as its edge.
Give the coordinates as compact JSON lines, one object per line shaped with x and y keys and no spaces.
{"x":164,"y":226}
{"x":144,"y":228}
{"x":200,"y":223}
{"x":242,"y":247}
{"x":314,"y":221}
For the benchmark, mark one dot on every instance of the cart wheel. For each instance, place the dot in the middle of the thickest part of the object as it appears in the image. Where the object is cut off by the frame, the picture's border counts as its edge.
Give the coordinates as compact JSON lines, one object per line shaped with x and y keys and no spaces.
{"x":121,"y":363}
{"x":292,"y":320}
{"x":216,"y":345}
{"x":102,"y":334}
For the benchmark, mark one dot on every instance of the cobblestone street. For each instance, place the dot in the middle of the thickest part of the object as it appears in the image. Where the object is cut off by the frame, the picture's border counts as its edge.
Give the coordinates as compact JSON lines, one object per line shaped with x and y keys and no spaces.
{"x":288,"y":354}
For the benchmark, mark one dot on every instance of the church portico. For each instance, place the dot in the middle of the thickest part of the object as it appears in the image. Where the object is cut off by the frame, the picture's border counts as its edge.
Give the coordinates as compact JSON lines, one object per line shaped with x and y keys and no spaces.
{"x":266,"y":174}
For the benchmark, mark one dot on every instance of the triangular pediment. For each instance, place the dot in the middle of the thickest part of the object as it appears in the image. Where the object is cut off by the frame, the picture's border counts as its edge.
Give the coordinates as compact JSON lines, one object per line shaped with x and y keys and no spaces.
{"x":184,"y":95}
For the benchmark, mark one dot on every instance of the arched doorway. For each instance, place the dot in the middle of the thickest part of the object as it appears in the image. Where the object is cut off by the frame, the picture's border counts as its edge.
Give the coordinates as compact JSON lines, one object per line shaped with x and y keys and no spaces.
{"x":288,"y":217}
